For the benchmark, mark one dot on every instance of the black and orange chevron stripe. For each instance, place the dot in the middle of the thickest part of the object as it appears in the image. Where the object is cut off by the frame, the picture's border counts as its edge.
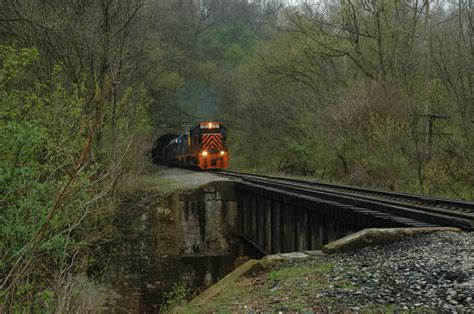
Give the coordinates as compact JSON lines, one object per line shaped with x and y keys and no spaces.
{"x":212,"y":141}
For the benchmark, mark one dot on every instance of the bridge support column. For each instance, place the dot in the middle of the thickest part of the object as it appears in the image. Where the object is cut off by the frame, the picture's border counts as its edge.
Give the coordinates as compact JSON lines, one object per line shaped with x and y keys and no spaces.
{"x":289,"y":229}
{"x":316,"y":231}
{"x":268,"y":225}
{"x":254,"y":217}
{"x":241,"y":211}
{"x":261,"y":222}
{"x":276,"y":231}
{"x":302,"y":228}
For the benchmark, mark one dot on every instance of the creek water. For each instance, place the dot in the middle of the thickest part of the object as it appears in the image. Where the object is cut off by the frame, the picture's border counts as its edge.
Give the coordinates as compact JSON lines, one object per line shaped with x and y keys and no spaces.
{"x":139,"y":286}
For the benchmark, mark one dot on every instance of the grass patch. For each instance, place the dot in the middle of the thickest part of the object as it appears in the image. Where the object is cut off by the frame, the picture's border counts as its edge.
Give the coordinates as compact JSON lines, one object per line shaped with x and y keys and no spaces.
{"x":285,"y":288}
{"x":233,"y":298}
{"x":300,"y":271}
{"x":286,"y":273}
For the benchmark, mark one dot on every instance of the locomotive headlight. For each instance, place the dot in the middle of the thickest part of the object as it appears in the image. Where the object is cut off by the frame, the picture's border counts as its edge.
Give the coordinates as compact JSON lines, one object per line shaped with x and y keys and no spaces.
{"x":222,"y":153}
{"x":204,"y":153}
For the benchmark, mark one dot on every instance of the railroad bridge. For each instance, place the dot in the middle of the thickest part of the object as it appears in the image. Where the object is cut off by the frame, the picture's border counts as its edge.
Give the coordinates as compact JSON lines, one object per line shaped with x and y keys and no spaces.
{"x":286,"y":215}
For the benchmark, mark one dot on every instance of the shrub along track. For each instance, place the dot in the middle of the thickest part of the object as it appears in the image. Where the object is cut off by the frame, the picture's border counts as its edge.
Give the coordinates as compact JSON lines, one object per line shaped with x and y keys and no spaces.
{"x":427,"y":210}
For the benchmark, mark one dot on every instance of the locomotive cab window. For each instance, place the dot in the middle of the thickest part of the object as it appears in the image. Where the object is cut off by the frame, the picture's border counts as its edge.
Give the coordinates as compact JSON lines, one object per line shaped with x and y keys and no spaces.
{"x":209,"y":131}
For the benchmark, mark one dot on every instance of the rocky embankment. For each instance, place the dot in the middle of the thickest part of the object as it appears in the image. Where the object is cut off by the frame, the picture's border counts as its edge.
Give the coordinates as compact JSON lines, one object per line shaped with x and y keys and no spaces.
{"x":433,"y":271}
{"x":427,"y":273}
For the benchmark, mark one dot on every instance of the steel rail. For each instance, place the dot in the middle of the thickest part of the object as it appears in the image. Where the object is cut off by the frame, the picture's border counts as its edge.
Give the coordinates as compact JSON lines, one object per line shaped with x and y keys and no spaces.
{"x":437,"y":210}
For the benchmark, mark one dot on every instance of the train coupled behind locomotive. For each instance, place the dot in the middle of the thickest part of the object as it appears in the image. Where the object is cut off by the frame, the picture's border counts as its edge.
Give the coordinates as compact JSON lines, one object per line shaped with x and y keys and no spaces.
{"x":203,"y":146}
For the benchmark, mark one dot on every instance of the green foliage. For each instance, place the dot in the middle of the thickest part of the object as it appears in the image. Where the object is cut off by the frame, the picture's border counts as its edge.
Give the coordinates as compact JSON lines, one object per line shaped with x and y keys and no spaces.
{"x":346,"y":96}
{"x":41,"y":136}
{"x":48,"y":176}
{"x":189,"y":85}
{"x":215,"y":43}
{"x":13,"y":62}
{"x":176,"y":296}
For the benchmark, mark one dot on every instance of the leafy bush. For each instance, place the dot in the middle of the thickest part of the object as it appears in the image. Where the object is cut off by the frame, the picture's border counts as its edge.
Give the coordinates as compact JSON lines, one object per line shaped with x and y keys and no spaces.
{"x":43,"y":184}
{"x":53,"y":174}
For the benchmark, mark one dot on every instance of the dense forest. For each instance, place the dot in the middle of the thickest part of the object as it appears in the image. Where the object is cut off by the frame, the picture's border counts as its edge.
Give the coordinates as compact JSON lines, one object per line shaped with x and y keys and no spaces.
{"x":367,"y":92}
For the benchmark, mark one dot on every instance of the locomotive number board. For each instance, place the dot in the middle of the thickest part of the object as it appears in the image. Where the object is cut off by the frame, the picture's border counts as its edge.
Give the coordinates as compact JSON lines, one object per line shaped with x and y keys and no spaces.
{"x":209,"y":125}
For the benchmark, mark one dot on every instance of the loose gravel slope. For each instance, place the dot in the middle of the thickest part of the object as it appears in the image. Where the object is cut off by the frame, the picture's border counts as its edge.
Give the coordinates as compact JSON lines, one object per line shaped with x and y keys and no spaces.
{"x":424,"y":273}
{"x":434,"y":271}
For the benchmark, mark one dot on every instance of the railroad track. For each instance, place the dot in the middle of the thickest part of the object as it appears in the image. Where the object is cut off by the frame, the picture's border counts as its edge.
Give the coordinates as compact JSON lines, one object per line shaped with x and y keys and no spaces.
{"x":436,"y":211}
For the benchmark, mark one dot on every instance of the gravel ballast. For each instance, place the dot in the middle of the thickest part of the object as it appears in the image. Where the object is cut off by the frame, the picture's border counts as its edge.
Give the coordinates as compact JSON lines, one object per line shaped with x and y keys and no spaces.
{"x":429,"y":271}
{"x":169,"y":179}
{"x":188,"y":177}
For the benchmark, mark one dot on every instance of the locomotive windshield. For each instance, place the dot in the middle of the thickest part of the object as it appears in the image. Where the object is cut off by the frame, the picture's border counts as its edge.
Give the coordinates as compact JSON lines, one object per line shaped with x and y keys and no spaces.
{"x":210,"y":131}
{"x":211,"y":128}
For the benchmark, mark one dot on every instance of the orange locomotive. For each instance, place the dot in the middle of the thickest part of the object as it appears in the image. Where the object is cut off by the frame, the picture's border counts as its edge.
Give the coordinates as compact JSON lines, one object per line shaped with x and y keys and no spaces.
{"x":203,"y":146}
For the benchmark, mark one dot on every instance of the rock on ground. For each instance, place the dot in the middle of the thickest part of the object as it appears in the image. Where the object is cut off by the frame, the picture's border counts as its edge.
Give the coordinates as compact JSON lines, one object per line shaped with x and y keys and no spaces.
{"x":429,"y":271}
